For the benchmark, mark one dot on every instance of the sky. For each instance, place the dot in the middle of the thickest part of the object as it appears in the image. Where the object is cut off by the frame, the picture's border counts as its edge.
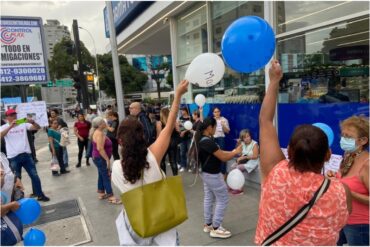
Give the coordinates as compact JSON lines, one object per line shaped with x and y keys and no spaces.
{"x":89,"y":15}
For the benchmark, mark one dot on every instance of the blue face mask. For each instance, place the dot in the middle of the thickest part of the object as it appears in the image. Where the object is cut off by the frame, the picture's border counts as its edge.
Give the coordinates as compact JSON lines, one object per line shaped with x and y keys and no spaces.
{"x":348,"y":144}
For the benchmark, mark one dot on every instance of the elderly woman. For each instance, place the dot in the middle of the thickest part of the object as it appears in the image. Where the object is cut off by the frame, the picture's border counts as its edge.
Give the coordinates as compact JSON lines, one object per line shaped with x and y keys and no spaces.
{"x":287,"y":186}
{"x":354,"y":172}
{"x":136,"y":159}
{"x":101,"y":154}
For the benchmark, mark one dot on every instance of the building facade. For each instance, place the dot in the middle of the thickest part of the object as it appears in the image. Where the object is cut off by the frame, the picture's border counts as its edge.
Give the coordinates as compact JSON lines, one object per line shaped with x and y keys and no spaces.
{"x":323,"y":48}
{"x":54,"y":33}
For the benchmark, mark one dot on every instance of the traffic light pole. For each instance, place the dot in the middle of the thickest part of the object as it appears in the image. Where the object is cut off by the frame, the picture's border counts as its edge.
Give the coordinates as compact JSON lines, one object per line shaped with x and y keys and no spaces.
{"x":116,"y":67}
{"x":85,"y":94}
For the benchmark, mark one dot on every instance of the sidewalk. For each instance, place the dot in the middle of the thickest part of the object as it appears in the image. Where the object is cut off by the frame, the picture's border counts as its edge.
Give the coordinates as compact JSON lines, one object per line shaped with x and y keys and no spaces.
{"x":80,"y":183}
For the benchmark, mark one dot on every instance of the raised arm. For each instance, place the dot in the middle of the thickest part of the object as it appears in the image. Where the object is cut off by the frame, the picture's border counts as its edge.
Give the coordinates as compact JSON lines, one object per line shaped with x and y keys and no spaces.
{"x":270,"y":152}
{"x":159,"y":147}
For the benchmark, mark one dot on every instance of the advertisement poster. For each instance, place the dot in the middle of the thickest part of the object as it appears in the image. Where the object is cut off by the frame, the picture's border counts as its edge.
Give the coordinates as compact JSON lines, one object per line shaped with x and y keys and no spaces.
{"x":23,"y":53}
{"x":35,"y":110}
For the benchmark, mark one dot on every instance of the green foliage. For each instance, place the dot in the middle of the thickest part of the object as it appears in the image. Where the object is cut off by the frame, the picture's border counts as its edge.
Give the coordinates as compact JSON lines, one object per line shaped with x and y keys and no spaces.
{"x":132,"y":79}
{"x":61,"y":64}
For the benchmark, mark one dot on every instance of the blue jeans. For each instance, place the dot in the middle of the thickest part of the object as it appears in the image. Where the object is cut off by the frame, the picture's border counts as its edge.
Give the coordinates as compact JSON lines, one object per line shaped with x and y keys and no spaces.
{"x":25,"y":160}
{"x":65,"y":156}
{"x":104,"y":184}
{"x":184,"y":147}
{"x":215,"y":192}
{"x":354,"y":235}
{"x":221,"y":143}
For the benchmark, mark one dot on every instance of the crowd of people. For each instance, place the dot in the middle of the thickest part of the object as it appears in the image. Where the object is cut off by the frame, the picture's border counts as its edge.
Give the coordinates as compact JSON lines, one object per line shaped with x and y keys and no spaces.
{"x":333,"y":209}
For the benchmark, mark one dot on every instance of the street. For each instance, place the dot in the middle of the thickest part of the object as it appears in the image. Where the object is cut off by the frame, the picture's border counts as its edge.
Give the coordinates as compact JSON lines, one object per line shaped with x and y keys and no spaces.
{"x":98,"y":216}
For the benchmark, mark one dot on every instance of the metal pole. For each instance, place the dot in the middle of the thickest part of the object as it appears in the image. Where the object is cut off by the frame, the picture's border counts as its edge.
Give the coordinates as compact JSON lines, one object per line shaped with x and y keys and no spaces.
{"x":116,"y":67}
{"x":84,"y":90}
{"x":96,"y":63}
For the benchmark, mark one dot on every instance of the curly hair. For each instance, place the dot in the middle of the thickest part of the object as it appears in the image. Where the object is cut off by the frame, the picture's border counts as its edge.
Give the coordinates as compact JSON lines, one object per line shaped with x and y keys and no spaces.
{"x":360,"y":123}
{"x":134,"y":151}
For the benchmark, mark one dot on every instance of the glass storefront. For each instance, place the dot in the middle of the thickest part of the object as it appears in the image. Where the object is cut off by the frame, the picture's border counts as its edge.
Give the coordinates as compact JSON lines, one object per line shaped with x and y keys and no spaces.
{"x":293,"y":15}
{"x":191,"y":34}
{"x":322,"y":63}
{"x":326,"y":65}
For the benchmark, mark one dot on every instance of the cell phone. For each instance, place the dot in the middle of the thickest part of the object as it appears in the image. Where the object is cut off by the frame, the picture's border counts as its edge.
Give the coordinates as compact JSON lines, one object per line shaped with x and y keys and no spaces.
{"x":20,"y":121}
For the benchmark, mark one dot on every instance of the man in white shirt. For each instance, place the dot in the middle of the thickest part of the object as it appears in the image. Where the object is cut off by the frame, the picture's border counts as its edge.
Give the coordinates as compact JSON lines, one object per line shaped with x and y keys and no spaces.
{"x":19,"y":151}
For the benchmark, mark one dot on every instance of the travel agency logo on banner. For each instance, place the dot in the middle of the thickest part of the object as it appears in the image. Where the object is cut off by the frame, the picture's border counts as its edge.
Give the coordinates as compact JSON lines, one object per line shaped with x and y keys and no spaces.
{"x":23,"y":53}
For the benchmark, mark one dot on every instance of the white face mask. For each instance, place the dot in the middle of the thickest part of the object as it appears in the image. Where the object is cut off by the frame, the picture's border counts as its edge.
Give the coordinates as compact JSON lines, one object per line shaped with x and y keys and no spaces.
{"x":348,"y":144}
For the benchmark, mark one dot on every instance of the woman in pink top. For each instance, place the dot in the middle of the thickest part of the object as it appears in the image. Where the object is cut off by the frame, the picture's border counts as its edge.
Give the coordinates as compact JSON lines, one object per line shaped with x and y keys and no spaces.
{"x":101,"y":154}
{"x":354,"y":172}
{"x":288,"y":185}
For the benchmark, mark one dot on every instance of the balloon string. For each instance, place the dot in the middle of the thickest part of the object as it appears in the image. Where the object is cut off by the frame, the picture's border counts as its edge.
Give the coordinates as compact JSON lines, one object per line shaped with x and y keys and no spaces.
{"x":196,"y":160}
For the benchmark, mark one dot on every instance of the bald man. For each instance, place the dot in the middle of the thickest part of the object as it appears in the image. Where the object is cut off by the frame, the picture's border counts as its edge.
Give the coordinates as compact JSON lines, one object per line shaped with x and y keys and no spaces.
{"x":149,"y":129}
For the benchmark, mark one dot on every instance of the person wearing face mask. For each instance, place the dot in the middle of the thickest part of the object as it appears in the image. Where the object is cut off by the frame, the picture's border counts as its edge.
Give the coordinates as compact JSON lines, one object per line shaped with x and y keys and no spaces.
{"x":354,"y":172}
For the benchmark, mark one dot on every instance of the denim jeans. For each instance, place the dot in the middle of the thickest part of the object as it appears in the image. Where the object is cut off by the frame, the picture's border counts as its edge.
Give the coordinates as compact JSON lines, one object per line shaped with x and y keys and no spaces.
{"x":354,"y":235}
{"x":221,"y":143}
{"x":215,"y":192}
{"x":104,"y":183}
{"x":184,"y":147}
{"x":25,"y":160}
{"x":65,"y":156}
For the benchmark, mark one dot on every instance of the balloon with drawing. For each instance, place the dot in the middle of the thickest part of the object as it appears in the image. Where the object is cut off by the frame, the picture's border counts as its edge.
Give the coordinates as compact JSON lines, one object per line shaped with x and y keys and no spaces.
{"x":206,"y":70}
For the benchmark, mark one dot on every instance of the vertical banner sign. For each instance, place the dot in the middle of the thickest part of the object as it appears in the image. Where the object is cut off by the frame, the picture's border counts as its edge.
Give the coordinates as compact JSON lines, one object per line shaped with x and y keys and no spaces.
{"x":23,"y":53}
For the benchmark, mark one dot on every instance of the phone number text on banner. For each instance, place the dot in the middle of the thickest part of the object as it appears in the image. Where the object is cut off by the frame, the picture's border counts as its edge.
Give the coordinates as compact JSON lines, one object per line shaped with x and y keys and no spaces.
{"x":23,"y":52}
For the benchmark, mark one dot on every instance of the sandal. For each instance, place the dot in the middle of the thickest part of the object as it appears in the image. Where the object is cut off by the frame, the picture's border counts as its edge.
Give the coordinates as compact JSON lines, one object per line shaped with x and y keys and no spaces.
{"x":102,"y":196}
{"x":114,"y":200}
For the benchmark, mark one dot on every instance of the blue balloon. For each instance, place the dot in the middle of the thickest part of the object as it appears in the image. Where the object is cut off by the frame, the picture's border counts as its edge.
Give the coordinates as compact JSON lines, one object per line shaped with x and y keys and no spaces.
{"x":248,"y":44}
{"x":327,"y":130}
{"x":28,"y":211}
{"x":34,"y":237}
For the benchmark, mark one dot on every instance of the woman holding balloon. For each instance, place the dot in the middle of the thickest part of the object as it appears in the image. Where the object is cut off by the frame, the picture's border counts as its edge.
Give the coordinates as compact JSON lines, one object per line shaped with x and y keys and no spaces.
{"x":185,"y":137}
{"x":294,"y":193}
{"x":210,"y":156}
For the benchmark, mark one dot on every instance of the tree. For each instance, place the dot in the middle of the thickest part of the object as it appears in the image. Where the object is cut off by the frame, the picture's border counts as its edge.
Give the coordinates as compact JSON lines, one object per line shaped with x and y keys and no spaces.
{"x":132,"y":79}
{"x":158,"y":73}
{"x":61,"y":64}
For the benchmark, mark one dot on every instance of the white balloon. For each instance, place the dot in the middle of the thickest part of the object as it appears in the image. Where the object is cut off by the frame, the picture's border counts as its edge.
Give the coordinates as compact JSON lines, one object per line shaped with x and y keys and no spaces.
{"x":206,"y":70}
{"x":235,"y":180}
{"x":200,"y":100}
{"x":188,"y":125}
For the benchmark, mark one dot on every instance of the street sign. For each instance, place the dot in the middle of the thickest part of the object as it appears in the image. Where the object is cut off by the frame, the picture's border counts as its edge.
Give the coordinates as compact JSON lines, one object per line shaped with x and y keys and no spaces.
{"x":23,"y":51}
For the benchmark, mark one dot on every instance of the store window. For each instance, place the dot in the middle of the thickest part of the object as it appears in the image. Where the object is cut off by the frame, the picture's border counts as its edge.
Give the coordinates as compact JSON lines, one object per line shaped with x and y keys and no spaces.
{"x":292,"y":15}
{"x":326,"y":65}
{"x":235,"y":87}
{"x":224,"y":13}
{"x":191,"y":34}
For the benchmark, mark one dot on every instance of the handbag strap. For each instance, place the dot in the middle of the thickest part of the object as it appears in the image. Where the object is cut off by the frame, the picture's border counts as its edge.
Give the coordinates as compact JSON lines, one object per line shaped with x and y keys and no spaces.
{"x":298,"y":217}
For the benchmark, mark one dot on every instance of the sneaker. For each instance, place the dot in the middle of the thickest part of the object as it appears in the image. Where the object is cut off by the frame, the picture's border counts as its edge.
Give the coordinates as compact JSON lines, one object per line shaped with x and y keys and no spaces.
{"x":182,"y":169}
{"x":78,"y":165}
{"x":207,"y":228}
{"x":220,"y":232}
{"x":190,"y":170}
{"x":43,"y":198}
{"x":65,"y":172}
{"x":32,"y":195}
